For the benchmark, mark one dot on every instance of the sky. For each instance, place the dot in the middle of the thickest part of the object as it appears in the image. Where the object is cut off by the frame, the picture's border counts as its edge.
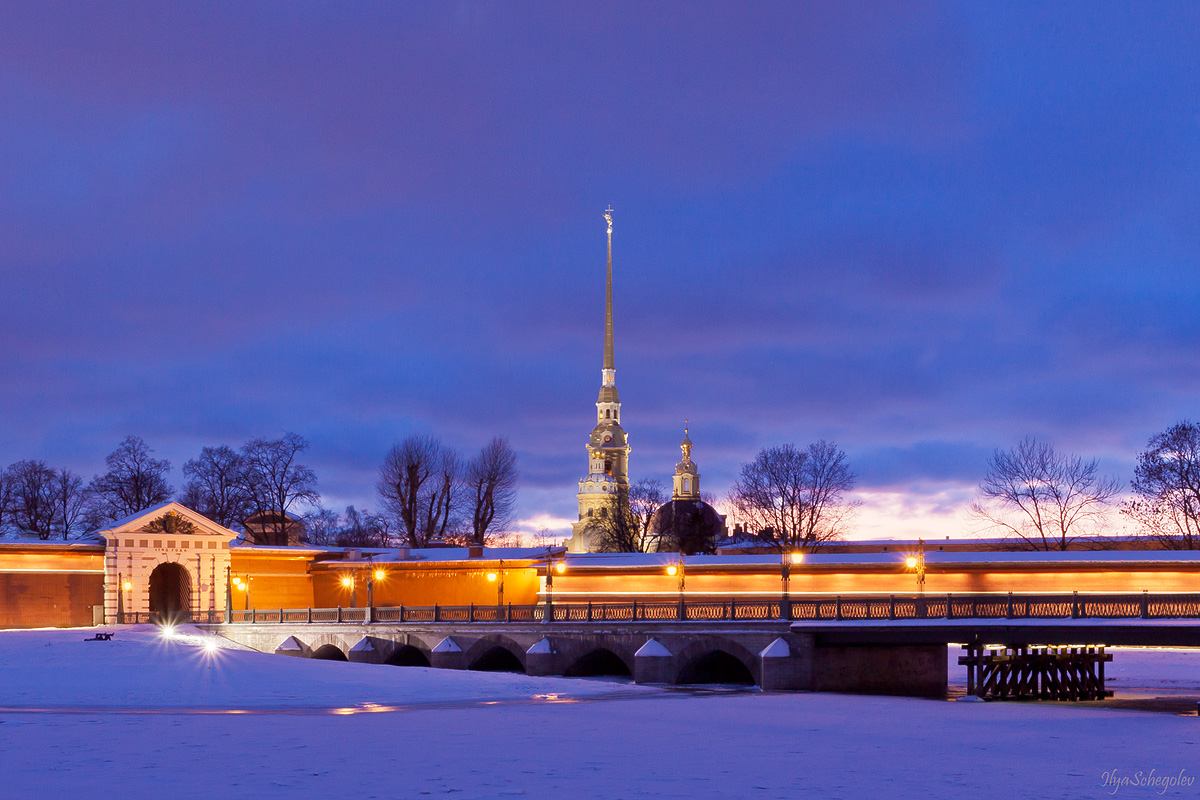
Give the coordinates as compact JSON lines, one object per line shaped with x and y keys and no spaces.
{"x":920,"y":230}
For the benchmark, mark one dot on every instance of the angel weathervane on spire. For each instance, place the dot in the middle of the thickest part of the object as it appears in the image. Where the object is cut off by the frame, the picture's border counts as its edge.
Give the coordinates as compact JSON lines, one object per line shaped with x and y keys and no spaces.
{"x":608,"y":217}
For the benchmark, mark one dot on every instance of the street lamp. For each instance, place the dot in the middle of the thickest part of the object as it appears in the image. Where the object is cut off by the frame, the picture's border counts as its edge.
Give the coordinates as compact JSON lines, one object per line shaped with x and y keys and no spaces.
{"x":372,"y":576}
{"x":917,"y":563}
{"x":677,"y":570}
{"x":242,"y":586}
{"x":349,"y":583}
{"x":786,"y":561}
{"x":552,"y":567}
{"x":497,"y":578}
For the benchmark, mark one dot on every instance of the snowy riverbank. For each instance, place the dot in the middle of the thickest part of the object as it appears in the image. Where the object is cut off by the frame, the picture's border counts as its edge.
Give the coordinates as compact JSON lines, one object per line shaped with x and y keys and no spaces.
{"x":484,"y":735}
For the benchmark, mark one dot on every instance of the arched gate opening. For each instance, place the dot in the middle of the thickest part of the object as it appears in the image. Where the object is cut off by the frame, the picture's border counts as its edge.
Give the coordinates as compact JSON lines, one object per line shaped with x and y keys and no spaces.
{"x":171,"y":593}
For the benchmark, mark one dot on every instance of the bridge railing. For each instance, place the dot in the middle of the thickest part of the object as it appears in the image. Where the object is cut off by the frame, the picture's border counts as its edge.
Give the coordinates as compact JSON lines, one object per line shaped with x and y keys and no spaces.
{"x":814,"y":607}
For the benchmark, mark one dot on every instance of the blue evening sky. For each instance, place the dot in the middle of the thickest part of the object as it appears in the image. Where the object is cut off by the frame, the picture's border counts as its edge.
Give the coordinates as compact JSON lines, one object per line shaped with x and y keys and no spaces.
{"x":921,"y":230}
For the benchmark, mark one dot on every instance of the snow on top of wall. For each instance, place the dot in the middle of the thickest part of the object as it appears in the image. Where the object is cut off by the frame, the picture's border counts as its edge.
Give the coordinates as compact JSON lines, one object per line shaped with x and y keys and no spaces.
{"x":652,"y":649}
{"x":776,"y":649}
{"x":447,"y":645}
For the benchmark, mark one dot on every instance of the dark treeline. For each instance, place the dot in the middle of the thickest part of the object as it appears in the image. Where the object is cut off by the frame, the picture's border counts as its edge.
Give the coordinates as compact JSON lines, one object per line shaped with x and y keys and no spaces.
{"x":427,"y":491}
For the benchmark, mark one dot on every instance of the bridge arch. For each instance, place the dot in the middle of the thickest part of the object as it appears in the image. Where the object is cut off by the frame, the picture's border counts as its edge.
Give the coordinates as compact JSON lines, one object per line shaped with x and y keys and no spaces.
{"x":496,"y":653}
{"x":407,"y":655}
{"x":329,"y":652}
{"x":717,"y":660}
{"x":597,"y":662}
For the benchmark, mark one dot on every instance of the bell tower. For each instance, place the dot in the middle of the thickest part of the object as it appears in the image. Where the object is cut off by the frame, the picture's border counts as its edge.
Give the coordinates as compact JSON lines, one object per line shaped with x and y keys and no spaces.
{"x":686,"y":479}
{"x":608,"y":445}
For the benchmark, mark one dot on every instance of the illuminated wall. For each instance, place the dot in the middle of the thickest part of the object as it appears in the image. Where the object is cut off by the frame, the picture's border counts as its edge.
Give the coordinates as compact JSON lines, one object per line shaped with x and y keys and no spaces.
{"x":48,"y":586}
{"x":408,"y":584}
{"x":1032,"y":577}
{"x":274,"y":578}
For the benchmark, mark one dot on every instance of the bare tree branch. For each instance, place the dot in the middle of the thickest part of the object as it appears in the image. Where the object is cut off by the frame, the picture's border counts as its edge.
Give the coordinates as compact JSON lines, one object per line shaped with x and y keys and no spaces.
{"x":1041,"y":499}
{"x":134,"y":482}
{"x":491,"y":479}
{"x":795,"y":498}
{"x":275,"y":483}
{"x":1166,"y":487}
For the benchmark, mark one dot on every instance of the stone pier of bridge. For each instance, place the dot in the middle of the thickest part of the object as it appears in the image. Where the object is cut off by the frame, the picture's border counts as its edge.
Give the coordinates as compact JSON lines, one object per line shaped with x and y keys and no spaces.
{"x":771,"y":654}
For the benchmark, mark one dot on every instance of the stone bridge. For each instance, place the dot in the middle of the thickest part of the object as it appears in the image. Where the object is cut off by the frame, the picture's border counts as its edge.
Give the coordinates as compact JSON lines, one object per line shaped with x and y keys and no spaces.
{"x":767,"y":653}
{"x":878,"y":645}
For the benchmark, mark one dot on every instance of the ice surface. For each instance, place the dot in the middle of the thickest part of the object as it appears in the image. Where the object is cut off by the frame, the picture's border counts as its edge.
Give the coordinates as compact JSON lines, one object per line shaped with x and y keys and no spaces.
{"x":56,"y":668}
{"x":513,"y":736}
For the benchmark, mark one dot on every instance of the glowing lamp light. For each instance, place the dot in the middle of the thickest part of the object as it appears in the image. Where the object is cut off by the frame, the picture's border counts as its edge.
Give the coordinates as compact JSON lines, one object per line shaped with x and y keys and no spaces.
{"x":797,"y":558}
{"x":379,"y":574}
{"x":168,"y":632}
{"x":911,"y":562}
{"x":671,"y":570}
{"x":127,"y":585}
{"x":211,"y":646}
{"x":491,"y":577}
{"x":347,"y":581}
{"x":560,"y":568}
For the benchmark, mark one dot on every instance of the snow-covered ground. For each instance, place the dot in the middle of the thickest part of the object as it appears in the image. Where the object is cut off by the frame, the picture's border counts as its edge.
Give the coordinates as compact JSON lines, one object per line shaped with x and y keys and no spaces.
{"x":606,"y":741}
{"x":140,"y":669}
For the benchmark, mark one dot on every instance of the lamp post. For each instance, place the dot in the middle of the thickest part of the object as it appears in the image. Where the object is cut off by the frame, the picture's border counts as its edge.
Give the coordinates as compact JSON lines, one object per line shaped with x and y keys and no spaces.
{"x":497,"y":578}
{"x":785,"y":601}
{"x":120,"y":599}
{"x":549,"y":615}
{"x":372,"y":576}
{"x":678,"y":571}
{"x":917,"y":564}
{"x":348,"y":582}
{"x":241,"y":586}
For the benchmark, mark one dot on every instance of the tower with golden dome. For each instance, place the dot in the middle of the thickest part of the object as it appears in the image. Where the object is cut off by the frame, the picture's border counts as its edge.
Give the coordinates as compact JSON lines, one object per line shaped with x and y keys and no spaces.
{"x":608,"y":445}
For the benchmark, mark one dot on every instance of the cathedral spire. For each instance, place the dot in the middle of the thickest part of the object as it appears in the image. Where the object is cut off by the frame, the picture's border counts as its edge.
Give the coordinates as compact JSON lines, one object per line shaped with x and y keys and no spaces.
{"x":609,"y":362}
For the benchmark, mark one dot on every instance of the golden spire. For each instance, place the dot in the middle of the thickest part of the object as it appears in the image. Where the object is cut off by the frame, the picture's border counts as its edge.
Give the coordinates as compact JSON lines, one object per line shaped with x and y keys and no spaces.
{"x":686,"y":444}
{"x":609,"y":361}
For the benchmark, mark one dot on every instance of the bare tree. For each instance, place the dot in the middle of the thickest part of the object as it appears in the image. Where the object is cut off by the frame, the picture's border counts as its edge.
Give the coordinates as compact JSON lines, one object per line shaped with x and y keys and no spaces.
{"x":419,"y":485}
{"x":322,"y":525}
{"x":276,"y":483}
{"x":1166,"y":488}
{"x":32,"y":505}
{"x":793,"y":498}
{"x":439,"y":503}
{"x":71,"y":505}
{"x":1043,"y":499}
{"x":6,"y":499}
{"x":363,"y":529}
{"x":217,"y":486}
{"x":625,"y":524}
{"x":491,"y":483}
{"x":134,"y":482}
